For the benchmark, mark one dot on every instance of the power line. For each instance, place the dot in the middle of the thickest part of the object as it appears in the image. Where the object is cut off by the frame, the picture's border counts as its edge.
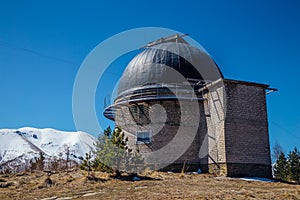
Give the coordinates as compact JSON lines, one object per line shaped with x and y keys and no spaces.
{"x":285,"y":130}
{"x":7,"y":45}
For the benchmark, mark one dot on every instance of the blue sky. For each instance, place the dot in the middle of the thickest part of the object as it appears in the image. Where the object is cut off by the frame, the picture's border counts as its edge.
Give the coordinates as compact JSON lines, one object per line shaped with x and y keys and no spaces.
{"x":43,"y":43}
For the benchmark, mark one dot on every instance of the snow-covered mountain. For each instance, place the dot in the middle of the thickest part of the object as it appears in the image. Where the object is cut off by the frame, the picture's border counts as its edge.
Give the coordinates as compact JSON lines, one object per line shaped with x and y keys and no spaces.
{"x":24,"y":144}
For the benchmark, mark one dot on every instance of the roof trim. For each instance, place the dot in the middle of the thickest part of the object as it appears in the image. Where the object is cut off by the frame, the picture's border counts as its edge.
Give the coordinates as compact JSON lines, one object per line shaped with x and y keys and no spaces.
{"x":232,"y":81}
{"x":246,"y":83}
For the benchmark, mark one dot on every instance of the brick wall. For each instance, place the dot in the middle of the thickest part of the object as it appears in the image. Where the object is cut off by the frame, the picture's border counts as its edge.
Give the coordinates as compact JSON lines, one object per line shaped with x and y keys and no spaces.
{"x":168,"y":118}
{"x":241,"y":125}
{"x":232,"y":134}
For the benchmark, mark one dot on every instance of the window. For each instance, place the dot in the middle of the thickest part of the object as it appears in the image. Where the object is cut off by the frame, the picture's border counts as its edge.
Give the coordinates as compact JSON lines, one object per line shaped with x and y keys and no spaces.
{"x":143,"y":137}
{"x":140,"y":113}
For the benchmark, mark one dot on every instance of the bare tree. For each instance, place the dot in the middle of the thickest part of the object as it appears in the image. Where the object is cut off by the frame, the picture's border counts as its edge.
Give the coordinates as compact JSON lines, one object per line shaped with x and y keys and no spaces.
{"x":276,"y":151}
{"x":67,"y":152}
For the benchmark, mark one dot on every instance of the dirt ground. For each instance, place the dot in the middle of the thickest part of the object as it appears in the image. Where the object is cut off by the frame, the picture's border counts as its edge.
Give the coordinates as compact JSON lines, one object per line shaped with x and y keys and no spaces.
{"x":154,"y":185}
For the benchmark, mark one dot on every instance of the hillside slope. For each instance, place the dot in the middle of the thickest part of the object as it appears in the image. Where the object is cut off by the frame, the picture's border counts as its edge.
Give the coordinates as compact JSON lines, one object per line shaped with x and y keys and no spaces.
{"x":21,"y":145}
{"x":159,"y":185}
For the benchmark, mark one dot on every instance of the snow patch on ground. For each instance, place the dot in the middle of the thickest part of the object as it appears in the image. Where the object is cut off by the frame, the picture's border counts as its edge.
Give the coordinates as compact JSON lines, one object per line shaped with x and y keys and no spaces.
{"x":246,"y":179}
{"x":257,"y":179}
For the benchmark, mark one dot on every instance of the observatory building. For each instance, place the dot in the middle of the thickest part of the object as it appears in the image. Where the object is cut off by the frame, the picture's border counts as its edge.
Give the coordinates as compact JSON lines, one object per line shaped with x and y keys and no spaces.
{"x":178,"y":111}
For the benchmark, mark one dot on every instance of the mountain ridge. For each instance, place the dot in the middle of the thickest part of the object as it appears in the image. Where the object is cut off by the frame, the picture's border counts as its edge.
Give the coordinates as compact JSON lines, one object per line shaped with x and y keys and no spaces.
{"x":19,"y":146}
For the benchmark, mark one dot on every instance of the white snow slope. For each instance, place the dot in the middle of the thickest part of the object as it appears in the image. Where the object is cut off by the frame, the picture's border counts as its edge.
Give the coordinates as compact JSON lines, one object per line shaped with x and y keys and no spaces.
{"x":26,"y":143}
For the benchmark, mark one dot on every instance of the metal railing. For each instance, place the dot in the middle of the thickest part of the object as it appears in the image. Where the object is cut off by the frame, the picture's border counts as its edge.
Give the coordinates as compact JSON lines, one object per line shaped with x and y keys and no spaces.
{"x":152,"y":92}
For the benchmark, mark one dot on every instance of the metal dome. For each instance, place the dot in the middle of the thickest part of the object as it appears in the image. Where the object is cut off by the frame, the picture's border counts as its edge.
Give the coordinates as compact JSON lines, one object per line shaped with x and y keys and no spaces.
{"x":154,"y":64}
{"x":165,"y":70}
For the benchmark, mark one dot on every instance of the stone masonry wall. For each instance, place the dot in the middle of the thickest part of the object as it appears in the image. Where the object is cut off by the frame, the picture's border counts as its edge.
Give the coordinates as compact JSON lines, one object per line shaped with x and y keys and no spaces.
{"x":166,"y":119}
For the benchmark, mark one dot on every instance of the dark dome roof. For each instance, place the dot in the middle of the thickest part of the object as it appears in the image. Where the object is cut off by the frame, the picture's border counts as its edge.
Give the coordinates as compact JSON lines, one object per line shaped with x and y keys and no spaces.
{"x":155,"y":65}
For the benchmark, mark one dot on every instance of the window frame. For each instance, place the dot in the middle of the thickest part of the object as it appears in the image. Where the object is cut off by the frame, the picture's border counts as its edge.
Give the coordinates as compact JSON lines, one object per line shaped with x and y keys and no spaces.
{"x":148,"y":141}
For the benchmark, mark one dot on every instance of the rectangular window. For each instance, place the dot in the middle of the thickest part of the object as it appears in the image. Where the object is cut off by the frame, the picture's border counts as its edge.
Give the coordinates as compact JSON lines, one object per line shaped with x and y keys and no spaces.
{"x":140,"y":113}
{"x":143,"y":137}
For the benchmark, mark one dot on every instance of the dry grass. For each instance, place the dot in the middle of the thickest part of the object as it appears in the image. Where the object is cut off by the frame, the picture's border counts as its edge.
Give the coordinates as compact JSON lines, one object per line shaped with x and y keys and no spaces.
{"x":75,"y":185}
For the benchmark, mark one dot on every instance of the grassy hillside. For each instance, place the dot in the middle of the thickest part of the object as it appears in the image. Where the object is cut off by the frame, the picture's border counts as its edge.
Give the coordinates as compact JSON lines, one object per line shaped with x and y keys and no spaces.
{"x":157,"y":185}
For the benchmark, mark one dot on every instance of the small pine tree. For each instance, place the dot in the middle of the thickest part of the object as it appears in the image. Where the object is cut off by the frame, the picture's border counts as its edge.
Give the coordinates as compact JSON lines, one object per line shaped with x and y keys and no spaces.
{"x":120,"y":154}
{"x":87,"y":163}
{"x":107,"y":132}
{"x":104,"y":154}
{"x":280,"y":169}
{"x":113,"y":154}
{"x":294,"y":165}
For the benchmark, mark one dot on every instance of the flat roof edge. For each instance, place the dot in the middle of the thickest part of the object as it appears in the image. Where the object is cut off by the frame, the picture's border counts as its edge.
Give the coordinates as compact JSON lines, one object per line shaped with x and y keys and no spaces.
{"x":246,"y":83}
